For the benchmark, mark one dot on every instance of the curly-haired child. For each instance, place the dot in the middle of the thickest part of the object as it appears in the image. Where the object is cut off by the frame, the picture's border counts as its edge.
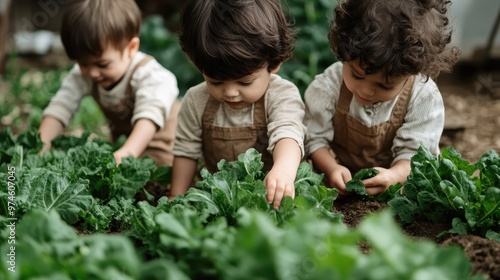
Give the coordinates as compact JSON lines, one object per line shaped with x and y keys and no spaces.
{"x":378,"y":104}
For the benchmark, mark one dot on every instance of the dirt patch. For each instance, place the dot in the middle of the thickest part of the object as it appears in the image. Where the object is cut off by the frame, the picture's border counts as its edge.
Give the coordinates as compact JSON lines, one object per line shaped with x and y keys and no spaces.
{"x":155,"y":192}
{"x":484,"y":254}
{"x":472,"y":117}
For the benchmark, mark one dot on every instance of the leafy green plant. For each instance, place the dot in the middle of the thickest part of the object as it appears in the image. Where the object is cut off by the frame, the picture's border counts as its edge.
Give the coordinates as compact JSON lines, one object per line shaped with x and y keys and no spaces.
{"x":304,"y":247}
{"x":30,"y":92}
{"x":225,"y":226}
{"x":356,"y":184}
{"x":47,"y":248}
{"x":81,"y":182}
{"x":312,"y":54}
{"x":446,"y":189}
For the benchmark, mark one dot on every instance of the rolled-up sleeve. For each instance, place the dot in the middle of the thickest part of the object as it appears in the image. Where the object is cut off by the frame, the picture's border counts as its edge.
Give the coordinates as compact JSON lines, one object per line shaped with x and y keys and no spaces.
{"x":155,"y":92}
{"x":285,"y":114}
{"x":188,"y":136}
{"x":66,"y":101}
{"x":320,"y":100}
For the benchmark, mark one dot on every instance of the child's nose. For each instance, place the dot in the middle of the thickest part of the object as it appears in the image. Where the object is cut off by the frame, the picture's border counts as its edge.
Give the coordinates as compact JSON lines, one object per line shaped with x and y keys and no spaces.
{"x":93,"y":72}
{"x":367,"y":91}
{"x":231,"y":92}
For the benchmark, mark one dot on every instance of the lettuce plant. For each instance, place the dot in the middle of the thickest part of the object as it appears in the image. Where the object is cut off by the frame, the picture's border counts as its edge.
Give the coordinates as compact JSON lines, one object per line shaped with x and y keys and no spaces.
{"x":446,"y":189}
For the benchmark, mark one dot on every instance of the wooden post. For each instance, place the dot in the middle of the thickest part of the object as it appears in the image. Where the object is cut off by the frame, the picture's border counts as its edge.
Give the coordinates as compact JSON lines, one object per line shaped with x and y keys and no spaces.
{"x":4,"y":30}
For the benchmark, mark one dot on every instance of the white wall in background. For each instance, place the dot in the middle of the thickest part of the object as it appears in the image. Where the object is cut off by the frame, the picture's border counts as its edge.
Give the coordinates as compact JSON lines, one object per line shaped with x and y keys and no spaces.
{"x":473,"y":22}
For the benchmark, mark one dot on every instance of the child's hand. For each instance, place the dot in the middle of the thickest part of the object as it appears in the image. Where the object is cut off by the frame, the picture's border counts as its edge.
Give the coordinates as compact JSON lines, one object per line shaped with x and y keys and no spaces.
{"x":338,"y":178}
{"x":46,"y":147}
{"x":279,"y":183}
{"x":121,"y":153}
{"x":381,"y":182}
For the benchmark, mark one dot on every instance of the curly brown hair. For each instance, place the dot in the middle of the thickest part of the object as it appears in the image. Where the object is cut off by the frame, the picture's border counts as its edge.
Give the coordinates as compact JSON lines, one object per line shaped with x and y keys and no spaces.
{"x":227,"y":39}
{"x":395,"y":37}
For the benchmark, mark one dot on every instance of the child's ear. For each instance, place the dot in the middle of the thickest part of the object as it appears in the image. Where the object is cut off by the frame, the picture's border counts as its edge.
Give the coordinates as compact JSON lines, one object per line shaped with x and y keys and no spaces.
{"x":276,"y":69}
{"x":133,"y":46}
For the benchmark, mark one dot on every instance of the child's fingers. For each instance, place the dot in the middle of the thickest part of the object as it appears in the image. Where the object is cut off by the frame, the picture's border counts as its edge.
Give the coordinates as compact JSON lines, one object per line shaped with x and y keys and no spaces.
{"x":287,"y":190}
{"x":371,"y":182}
{"x":271,"y":190}
{"x":278,"y":195}
{"x":375,"y":190}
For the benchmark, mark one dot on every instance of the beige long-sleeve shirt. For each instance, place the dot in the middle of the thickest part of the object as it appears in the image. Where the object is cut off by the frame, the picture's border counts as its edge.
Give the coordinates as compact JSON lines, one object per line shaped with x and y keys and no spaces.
{"x":423,"y":123}
{"x":155,"y":90}
{"x":284,"y":111}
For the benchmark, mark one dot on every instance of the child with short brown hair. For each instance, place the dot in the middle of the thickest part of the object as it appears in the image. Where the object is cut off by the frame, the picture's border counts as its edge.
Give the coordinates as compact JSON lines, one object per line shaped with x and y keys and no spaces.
{"x":137,"y":95}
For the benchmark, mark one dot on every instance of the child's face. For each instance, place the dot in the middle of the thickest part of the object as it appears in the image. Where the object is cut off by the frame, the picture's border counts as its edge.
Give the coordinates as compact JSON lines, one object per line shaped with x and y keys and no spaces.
{"x":242,"y":92}
{"x":373,"y":88}
{"x":110,"y":67}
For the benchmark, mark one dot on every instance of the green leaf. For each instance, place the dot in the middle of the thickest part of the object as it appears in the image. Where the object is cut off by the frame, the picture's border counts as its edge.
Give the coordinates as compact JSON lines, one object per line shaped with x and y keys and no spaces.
{"x":66,"y":142}
{"x":251,"y":160}
{"x":493,"y":235}
{"x":45,"y":226}
{"x":459,"y":227}
{"x":54,"y":191}
{"x":199,"y":196}
{"x":130,"y":176}
{"x":306,"y":177}
{"x":356,"y":184}
{"x":406,"y":209}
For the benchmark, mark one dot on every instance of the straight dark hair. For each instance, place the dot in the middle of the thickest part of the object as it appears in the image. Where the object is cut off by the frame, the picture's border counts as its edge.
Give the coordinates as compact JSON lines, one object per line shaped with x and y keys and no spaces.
{"x":90,"y":26}
{"x":229,"y":39}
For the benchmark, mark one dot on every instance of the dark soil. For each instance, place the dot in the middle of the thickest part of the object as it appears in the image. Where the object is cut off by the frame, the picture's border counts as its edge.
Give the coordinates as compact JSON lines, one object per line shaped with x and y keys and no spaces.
{"x":472,"y":118}
{"x":484,"y":254}
{"x":155,"y":191}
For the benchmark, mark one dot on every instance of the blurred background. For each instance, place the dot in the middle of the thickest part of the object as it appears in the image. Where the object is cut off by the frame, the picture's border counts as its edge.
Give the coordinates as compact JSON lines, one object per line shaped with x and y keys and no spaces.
{"x":33,"y":63}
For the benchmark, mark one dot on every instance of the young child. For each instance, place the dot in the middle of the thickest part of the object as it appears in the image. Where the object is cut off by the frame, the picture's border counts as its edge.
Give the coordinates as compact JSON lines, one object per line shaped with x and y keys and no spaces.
{"x":137,"y":95}
{"x":375,"y":107}
{"x":238,"y":46}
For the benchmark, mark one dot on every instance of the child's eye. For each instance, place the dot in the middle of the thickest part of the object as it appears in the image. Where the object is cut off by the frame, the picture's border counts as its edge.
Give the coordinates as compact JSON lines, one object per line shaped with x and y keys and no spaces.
{"x":356,"y":77}
{"x":386,"y":88}
{"x":246,"y":83}
{"x":215,"y":83}
{"x":103,"y":65}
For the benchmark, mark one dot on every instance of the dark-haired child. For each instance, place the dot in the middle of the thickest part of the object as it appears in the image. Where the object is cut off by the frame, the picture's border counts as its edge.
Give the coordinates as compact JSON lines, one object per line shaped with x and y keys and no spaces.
{"x":238,"y":46}
{"x":137,"y":95}
{"x":378,"y":104}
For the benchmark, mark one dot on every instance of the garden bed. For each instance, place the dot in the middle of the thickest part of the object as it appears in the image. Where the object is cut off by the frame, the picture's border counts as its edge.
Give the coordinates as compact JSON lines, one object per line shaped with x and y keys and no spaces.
{"x":483,"y":254}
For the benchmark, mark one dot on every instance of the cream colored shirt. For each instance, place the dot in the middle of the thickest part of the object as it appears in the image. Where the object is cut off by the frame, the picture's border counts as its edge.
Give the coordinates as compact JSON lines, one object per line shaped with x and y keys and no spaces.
{"x":284,"y":110}
{"x":423,"y":123}
{"x":155,"y":90}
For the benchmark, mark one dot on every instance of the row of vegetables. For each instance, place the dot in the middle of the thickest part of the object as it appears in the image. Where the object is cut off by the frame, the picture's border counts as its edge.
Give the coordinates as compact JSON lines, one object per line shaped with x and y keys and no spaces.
{"x":71,"y":214}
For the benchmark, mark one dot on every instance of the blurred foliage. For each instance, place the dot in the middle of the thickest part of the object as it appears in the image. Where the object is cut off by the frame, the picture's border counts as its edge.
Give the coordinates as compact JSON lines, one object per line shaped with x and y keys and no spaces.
{"x":28,"y":91}
{"x":312,"y":53}
{"x":163,"y":45}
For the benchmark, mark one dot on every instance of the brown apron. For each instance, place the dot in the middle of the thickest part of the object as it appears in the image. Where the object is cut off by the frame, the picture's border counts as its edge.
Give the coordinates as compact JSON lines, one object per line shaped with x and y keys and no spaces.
{"x":228,"y":142}
{"x":358,"y":146}
{"x":119,"y":118}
